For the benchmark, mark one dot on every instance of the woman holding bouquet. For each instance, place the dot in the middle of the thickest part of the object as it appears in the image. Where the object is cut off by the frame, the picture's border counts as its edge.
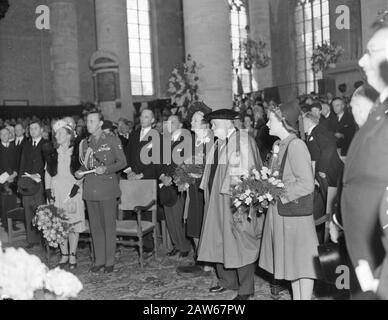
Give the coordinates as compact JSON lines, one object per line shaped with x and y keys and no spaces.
{"x":289,"y":246}
{"x":62,"y":189}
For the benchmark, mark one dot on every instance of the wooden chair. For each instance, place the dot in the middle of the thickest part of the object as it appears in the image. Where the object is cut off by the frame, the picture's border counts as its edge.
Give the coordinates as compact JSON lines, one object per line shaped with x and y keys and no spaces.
{"x":18,"y":215}
{"x":139,"y":196}
{"x":331,"y":195}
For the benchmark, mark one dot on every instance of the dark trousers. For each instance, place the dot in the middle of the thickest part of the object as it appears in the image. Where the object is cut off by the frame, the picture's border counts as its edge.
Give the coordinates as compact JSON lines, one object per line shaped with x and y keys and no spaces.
{"x":175,"y":226}
{"x":30,"y":204}
{"x":7,"y":203}
{"x":241,"y":279}
{"x":102,"y":221}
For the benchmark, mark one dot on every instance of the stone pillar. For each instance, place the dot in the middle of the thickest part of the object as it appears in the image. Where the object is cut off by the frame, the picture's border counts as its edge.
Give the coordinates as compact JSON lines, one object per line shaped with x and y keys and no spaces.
{"x":260,"y":29}
{"x":64,"y":52}
{"x":207,"y":39}
{"x":112,"y":36}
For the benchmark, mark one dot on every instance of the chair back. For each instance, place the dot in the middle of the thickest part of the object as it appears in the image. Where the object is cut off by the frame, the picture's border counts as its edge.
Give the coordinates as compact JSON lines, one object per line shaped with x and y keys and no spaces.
{"x":137,"y":193}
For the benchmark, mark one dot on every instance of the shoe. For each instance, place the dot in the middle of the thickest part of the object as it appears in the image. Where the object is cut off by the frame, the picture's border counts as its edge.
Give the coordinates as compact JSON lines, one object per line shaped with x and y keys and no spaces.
{"x":173,"y":252}
{"x":95,"y":269}
{"x":184,"y":254}
{"x":62,"y":265}
{"x":217,"y":289}
{"x":108,"y":269}
{"x":73,"y":266}
{"x":243,"y":297}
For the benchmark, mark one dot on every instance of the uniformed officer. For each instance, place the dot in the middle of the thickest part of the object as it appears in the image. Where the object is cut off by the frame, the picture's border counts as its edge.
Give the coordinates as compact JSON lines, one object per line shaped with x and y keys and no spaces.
{"x":103,"y":154}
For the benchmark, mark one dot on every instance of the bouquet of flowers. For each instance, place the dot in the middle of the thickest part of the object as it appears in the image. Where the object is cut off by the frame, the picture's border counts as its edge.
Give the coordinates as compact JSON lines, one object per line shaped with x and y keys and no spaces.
{"x":183,"y":84}
{"x":257,"y":190}
{"x":52,"y":221}
{"x":325,"y":55}
{"x":21,"y":274}
{"x":188,"y":172}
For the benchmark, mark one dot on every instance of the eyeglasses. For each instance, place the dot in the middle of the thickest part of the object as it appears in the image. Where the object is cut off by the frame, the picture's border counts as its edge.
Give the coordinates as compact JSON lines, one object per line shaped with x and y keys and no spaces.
{"x":369,"y":52}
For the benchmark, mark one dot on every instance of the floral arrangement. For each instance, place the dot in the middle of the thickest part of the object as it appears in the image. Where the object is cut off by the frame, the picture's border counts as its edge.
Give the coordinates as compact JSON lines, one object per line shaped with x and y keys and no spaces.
{"x":257,"y":190}
{"x":325,"y":55}
{"x":255,"y":54}
{"x":183,"y":84}
{"x":21,"y":274}
{"x":53,"y":224}
{"x":188,"y":172}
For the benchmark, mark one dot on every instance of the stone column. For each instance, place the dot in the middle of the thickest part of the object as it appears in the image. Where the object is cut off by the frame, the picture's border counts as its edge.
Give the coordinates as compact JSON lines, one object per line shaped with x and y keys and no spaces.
{"x":260,"y":29}
{"x":112,"y":36}
{"x":207,"y":39}
{"x":64,"y":52}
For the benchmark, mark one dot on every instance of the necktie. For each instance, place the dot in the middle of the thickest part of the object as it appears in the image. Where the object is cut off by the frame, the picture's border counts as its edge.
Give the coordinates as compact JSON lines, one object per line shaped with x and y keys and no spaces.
{"x":34,"y":145}
{"x":141,"y":134}
{"x":213,"y":168}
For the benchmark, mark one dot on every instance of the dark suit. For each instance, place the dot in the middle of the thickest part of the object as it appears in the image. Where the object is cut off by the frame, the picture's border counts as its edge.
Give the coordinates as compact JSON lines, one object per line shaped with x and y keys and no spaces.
{"x":19,"y":148}
{"x":8,"y":164}
{"x":331,"y":123}
{"x":323,"y":150}
{"x":124,"y":140}
{"x":33,"y":160}
{"x":174,"y":213}
{"x":364,"y":184}
{"x":133,"y":153}
{"x":347,"y":126}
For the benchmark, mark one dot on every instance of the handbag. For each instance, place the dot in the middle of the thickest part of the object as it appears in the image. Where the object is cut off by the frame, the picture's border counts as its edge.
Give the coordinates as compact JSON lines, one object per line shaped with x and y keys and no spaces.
{"x":300,"y":207}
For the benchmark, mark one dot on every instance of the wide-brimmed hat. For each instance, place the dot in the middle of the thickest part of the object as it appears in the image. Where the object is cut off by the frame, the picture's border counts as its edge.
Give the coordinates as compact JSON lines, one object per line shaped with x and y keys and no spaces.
{"x":198,"y":107}
{"x":290,"y":112}
{"x":222,"y":114}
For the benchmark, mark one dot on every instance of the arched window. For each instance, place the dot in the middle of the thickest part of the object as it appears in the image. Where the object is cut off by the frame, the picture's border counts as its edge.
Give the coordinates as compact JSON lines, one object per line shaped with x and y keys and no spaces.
{"x":312,"y":28}
{"x":140,"y":50}
{"x":239,"y":34}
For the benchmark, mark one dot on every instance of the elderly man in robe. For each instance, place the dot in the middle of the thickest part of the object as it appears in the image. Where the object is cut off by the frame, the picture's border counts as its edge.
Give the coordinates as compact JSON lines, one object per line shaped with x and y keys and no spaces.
{"x":233,"y":246}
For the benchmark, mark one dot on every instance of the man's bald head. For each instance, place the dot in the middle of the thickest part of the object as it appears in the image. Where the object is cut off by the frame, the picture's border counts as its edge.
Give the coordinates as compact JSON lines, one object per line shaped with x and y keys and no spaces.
{"x":147,"y":118}
{"x":375,"y":61}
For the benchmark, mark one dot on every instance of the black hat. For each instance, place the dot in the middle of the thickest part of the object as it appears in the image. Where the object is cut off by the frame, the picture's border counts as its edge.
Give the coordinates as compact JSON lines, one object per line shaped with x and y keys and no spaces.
{"x":291,"y":112}
{"x":222,"y":114}
{"x":108,"y":125}
{"x":168,"y":196}
{"x":27,"y":186}
{"x":196,"y":107}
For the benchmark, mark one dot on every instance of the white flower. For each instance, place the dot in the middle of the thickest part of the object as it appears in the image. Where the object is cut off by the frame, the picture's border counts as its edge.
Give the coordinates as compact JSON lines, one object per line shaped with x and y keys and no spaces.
{"x":271,"y":180}
{"x":63,"y":284}
{"x":269,"y":197}
{"x":276,"y":174}
{"x":248,"y":192}
{"x":276,"y":149}
{"x":261,"y":199}
{"x":237,"y":204}
{"x":281,"y":185}
{"x":248,"y":201}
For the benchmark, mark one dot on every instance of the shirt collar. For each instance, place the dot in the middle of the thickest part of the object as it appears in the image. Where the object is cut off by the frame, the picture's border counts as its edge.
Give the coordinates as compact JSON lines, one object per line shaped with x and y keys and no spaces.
{"x":176,"y":135}
{"x":36,"y":140}
{"x":146,"y":130}
{"x":311,"y":130}
{"x":5,"y":144}
{"x":339,"y":116}
{"x":384,"y":95}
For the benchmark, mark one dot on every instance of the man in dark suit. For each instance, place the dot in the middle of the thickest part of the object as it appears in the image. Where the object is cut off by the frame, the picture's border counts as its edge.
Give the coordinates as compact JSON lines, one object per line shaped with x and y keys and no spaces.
{"x":329,"y":119}
{"x":20,"y":141}
{"x":346,"y":126}
{"x":124,"y":130}
{"x":140,"y":140}
{"x":366,"y":172}
{"x":8,"y":168}
{"x":174,"y":210}
{"x":32,"y":162}
{"x":143,"y":145}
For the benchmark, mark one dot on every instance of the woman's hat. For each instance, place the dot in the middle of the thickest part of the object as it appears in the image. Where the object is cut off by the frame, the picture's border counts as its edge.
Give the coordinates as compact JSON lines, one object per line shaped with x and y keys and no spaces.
{"x":222,"y":114}
{"x":61,"y":124}
{"x":198,"y":107}
{"x":290,"y":112}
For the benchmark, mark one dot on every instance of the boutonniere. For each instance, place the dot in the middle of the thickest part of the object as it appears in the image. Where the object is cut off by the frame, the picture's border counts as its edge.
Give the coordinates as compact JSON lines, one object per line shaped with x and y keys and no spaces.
{"x":275,"y":150}
{"x":311,"y":139}
{"x":149,"y":146}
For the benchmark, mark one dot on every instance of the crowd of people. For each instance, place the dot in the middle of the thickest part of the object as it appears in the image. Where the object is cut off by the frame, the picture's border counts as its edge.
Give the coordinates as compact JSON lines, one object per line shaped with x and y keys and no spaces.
{"x":315,"y":143}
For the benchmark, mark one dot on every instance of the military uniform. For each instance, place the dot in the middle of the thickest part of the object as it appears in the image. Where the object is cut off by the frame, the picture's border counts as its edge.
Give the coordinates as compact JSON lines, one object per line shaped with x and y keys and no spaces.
{"x":101,"y":192}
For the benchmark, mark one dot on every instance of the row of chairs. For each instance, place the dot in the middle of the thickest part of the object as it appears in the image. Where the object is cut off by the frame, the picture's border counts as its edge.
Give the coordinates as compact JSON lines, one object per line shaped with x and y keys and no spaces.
{"x":139,"y":196}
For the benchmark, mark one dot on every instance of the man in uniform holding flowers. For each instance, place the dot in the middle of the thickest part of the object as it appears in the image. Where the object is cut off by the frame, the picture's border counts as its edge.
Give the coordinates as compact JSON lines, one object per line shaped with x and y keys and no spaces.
{"x":232,"y":245}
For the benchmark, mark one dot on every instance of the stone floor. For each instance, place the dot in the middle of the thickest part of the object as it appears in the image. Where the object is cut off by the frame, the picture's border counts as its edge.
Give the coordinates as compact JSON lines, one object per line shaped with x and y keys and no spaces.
{"x":158,"y":280}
